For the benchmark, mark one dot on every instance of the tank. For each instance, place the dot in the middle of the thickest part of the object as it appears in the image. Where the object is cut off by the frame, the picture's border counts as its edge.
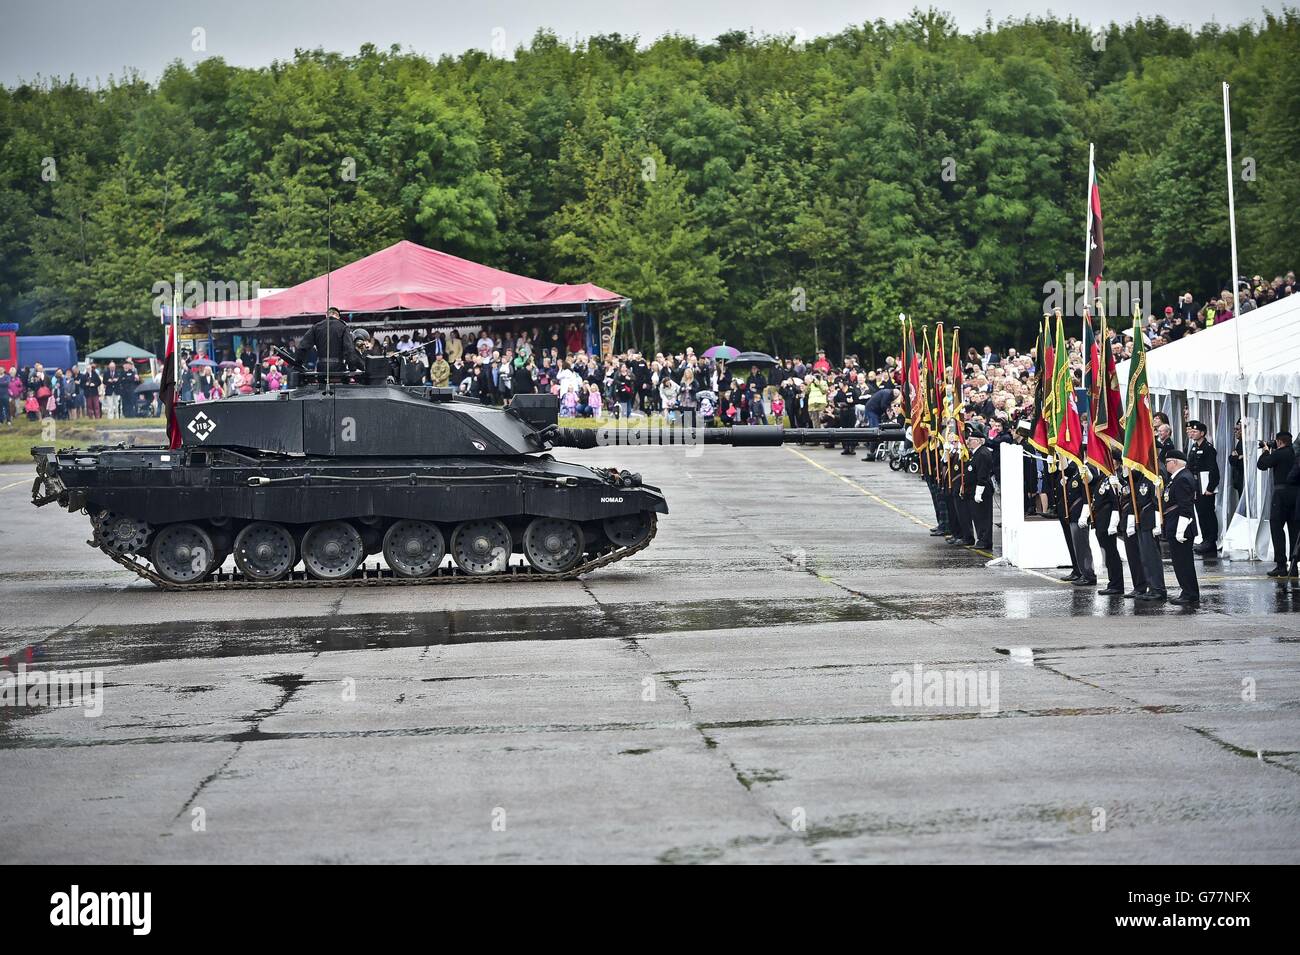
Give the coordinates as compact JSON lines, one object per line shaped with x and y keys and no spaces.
{"x":301,"y":486}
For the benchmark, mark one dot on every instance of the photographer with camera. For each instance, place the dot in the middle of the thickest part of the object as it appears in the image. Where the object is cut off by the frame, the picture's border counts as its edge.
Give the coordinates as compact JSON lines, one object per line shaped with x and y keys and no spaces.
{"x":1279,"y":457}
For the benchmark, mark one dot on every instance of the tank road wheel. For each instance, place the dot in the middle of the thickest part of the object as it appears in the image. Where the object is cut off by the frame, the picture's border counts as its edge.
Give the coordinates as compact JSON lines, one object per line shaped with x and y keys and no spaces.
{"x":553,"y":545}
{"x":121,"y":533}
{"x":629,"y":530}
{"x":265,"y":551}
{"x":332,"y":550}
{"x":481,"y":547}
{"x":183,"y":553}
{"x":414,"y":548}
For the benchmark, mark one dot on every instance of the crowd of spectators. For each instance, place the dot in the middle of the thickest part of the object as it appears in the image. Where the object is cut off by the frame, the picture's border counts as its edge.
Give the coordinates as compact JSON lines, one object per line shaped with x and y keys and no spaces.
{"x":497,"y":361}
{"x":1185,"y":317}
{"x":87,"y":391}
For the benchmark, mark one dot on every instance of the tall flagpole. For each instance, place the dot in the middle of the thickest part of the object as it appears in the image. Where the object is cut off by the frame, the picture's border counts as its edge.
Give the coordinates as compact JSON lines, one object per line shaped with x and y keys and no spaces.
{"x":1236,"y":298}
{"x":1087,"y":279}
{"x":1087,"y":236}
{"x":1232,"y":221}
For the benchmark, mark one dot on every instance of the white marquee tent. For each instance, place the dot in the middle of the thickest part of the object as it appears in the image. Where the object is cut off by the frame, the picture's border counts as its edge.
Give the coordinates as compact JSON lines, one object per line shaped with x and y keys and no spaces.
{"x":1248,"y":369}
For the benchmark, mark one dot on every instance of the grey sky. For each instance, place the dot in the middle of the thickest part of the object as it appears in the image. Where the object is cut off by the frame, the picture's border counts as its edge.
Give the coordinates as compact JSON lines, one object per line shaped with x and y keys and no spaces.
{"x":95,"y":38}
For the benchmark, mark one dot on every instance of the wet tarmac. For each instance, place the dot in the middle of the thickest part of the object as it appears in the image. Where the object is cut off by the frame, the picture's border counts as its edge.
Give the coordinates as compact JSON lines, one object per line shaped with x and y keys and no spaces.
{"x":729,"y":695}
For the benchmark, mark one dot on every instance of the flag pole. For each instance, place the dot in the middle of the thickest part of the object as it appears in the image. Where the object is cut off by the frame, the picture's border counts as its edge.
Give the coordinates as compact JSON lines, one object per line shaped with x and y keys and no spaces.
{"x":1232,"y":222}
{"x":1236,"y":296}
{"x":1087,"y":237}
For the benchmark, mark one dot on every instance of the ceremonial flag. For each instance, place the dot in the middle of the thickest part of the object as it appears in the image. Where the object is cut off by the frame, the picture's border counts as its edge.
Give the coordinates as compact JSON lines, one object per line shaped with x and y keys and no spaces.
{"x":941,"y":405}
{"x":905,"y":368}
{"x":1062,"y":383}
{"x":1096,"y":249}
{"x":1066,"y":435}
{"x":167,"y":389}
{"x":1038,"y":438}
{"x":927,"y":396}
{"x":1139,"y":432}
{"x":916,"y":408}
{"x":959,"y":397}
{"x":1097,"y":450}
{"x":1109,"y":404}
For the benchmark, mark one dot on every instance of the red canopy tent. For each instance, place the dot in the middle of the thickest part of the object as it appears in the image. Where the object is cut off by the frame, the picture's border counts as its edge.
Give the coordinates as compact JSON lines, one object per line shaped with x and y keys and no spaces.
{"x":412,"y":278}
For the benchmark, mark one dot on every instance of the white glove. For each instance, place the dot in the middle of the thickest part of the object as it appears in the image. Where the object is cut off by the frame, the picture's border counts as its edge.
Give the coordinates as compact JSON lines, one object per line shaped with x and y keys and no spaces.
{"x":979,"y":494}
{"x":1114,"y":523}
{"x":1083,"y":516}
{"x":1159,"y":528}
{"x":1132,"y":526}
{"x":1183,"y":523}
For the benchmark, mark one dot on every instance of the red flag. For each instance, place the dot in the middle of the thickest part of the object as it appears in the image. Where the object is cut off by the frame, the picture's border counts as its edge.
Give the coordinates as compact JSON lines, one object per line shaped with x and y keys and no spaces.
{"x":916,"y":390}
{"x":167,"y":388}
{"x":1042,"y":389}
{"x":1096,"y":248}
{"x":1109,"y":397}
{"x":1097,"y":451}
{"x":940,"y":376}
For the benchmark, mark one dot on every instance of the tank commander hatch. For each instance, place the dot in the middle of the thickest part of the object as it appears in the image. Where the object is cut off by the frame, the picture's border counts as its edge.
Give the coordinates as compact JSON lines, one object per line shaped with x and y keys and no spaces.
{"x":334,"y":344}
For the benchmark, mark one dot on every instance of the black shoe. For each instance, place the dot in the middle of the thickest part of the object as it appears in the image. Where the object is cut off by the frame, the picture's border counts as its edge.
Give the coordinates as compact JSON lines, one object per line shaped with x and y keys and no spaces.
{"x":949,"y":539}
{"x":1074,"y":575}
{"x":849,"y":451}
{"x":1278,"y":571}
{"x":1185,"y":600}
{"x":983,"y":545}
{"x":1111,"y":591}
{"x":966,"y":542}
{"x":1155,"y":596}
{"x":1207,"y":550}
{"x":936,"y":532}
{"x":1135,"y":595}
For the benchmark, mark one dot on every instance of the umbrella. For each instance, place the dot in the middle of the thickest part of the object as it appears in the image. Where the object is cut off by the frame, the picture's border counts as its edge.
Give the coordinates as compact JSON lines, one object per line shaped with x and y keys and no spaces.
{"x":725,"y":352}
{"x":203,"y":362}
{"x":755,"y":358}
{"x":229,"y":364}
{"x":147,"y":386}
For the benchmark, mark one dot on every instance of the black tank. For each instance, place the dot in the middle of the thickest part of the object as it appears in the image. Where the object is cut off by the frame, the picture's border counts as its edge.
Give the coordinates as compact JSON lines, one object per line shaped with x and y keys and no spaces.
{"x":299,"y":487}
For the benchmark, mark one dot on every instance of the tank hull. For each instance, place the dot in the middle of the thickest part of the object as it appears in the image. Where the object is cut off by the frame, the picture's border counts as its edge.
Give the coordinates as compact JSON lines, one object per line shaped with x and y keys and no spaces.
{"x":135,"y":495}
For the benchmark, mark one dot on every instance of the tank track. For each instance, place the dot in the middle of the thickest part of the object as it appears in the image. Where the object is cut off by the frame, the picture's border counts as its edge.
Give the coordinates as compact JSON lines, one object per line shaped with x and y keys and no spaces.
{"x":374,"y":576}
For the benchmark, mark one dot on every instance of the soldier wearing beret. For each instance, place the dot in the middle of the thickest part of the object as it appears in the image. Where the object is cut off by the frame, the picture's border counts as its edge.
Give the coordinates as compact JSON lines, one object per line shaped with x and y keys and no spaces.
{"x":1202,"y":461}
{"x":979,"y":483}
{"x":1180,"y":525}
{"x":1105,"y":523}
{"x":1144,"y":525}
{"x":1126,"y":495}
{"x":1078,"y":514}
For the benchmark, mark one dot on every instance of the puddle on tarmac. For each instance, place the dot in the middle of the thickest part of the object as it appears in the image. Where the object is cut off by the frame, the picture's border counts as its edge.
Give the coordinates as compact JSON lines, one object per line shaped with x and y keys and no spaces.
{"x":118,"y":645}
{"x":123,"y":644}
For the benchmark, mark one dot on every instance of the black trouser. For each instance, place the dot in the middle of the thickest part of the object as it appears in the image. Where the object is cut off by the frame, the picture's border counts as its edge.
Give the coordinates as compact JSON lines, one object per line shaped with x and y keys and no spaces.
{"x":940,"y":506}
{"x":1153,"y":568}
{"x":1283,"y":525}
{"x":1207,"y":520}
{"x":1082,"y":549}
{"x":1110,"y":549}
{"x":1134,"y":555}
{"x":1184,"y":566}
{"x":1069,"y":544}
{"x":964,"y":530}
{"x":983,"y":519}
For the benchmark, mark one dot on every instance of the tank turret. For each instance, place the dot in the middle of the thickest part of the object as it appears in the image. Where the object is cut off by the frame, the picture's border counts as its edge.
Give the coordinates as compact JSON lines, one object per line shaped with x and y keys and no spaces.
{"x":301,"y":486}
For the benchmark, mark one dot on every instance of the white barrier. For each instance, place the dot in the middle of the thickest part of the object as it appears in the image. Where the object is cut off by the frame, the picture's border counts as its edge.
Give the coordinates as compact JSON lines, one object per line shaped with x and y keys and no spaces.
{"x":1033,"y":543}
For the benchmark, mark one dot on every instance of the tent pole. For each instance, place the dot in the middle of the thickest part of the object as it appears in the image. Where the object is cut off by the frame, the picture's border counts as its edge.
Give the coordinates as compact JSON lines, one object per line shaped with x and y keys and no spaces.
{"x":1232,"y":224}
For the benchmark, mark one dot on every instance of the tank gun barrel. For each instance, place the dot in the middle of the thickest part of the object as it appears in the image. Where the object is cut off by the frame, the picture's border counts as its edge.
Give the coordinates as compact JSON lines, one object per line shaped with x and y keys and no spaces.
{"x":742,"y":436}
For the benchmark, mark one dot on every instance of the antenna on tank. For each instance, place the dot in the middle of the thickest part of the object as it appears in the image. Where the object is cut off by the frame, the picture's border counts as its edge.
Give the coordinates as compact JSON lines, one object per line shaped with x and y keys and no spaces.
{"x":329,"y":267}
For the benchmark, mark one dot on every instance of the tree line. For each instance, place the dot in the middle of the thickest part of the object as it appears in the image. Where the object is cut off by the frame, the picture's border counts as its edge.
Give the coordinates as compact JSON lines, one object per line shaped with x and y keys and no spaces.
{"x":772,"y":193}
